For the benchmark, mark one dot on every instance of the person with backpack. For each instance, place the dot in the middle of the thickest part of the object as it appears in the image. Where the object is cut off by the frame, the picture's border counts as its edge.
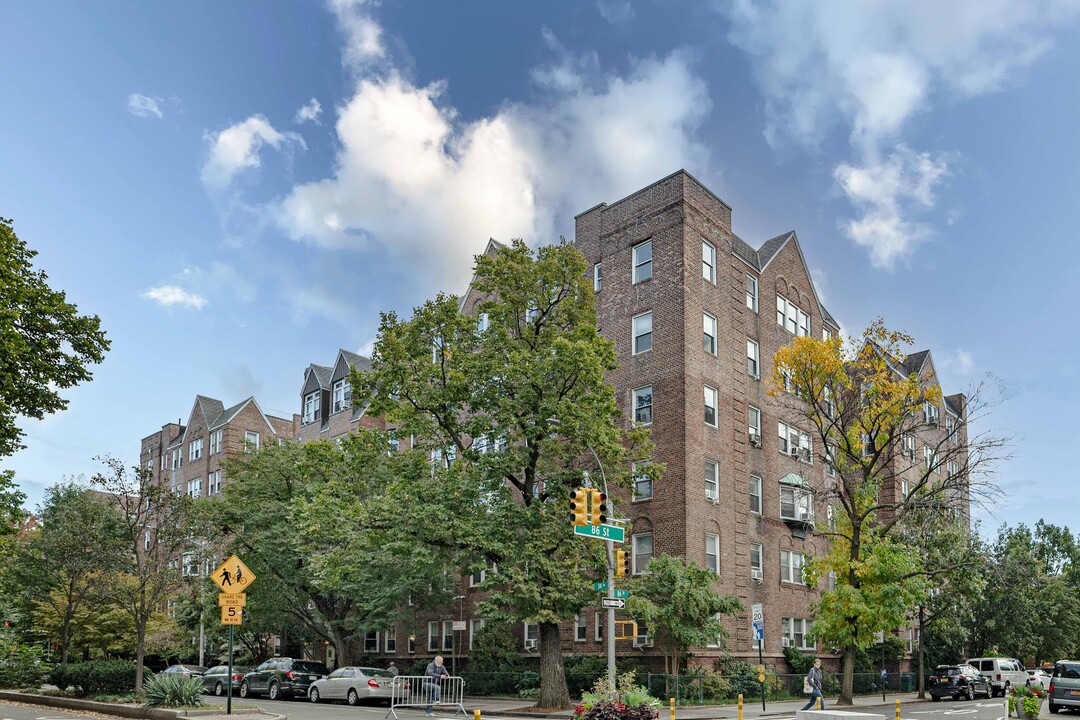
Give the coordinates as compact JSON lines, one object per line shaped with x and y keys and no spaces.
{"x":813,"y":681}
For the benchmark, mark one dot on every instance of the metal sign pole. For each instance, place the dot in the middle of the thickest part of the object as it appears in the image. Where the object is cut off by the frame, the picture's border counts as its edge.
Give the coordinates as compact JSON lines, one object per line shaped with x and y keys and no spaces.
{"x":228,"y":700}
{"x":759,"y":644}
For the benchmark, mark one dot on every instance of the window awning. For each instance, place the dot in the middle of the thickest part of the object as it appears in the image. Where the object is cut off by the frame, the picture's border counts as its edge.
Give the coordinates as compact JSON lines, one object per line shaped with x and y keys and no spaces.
{"x":796,"y":480}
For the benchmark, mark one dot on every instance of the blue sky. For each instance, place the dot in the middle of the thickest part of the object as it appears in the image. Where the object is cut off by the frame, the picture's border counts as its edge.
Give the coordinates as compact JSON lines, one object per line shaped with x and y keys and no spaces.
{"x":238,"y":189}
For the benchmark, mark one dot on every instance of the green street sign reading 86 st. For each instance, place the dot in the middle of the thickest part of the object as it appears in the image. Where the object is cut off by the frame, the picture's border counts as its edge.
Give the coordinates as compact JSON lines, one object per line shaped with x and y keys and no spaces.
{"x":613,"y":533}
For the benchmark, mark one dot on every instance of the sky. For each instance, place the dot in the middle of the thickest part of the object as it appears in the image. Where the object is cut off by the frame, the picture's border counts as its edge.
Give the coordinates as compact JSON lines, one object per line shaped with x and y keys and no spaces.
{"x":239,"y":189}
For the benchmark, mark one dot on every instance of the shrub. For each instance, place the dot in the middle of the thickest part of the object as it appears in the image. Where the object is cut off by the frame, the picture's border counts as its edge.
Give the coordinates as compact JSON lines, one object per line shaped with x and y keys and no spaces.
{"x":102,"y":677}
{"x":21,"y":665}
{"x":172,"y":690}
{"x":715,"y":685}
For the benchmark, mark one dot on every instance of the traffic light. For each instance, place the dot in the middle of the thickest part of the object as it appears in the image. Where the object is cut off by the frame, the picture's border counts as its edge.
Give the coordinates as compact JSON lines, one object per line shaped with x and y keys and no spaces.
{"x":627,"y":564}
{"x":599,"y":507}
{"x":620,"y":563}
{"x":579,"y":507}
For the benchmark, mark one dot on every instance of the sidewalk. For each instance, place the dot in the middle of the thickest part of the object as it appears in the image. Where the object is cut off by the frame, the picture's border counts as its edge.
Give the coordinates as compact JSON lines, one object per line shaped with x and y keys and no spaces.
{"x":517,"y":708}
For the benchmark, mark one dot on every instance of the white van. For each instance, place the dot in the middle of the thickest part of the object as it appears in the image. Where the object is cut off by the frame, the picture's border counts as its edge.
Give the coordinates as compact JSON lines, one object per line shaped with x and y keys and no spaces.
{"x":1003,"y":673}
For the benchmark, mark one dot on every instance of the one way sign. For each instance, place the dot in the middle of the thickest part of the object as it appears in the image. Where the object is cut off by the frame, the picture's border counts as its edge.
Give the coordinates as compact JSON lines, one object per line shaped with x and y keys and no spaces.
{"x":617,"y":603}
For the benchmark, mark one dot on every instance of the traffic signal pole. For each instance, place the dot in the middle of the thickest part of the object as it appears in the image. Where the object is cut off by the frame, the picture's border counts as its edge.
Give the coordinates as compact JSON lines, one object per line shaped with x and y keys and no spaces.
{"x":611,"y":611}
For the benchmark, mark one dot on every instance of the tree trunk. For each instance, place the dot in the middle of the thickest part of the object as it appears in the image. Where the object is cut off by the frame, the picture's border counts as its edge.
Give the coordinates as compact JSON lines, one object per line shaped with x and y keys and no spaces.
{"x":553,"y":690}
{"x":922,"y":655}
{"x":847,"y":678}
{"x":140,"y":654}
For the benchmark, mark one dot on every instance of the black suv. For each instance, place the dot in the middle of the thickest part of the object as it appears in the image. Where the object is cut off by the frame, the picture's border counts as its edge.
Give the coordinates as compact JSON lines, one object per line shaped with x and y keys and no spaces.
{"x":280,"y":678}
{"x":958,"y":681}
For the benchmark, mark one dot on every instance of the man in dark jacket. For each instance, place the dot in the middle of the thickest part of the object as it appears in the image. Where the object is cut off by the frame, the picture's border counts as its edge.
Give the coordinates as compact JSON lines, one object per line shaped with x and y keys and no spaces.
{"x":813,"y":679}
{"x":435,"y":672}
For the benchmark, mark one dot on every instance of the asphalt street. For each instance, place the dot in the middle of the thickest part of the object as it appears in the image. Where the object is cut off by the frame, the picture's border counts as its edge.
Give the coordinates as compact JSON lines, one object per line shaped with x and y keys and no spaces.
{"x":32,"y":712}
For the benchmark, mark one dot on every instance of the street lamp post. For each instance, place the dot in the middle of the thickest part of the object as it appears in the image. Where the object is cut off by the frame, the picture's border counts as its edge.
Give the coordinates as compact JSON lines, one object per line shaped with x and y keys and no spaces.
{"x":610,"y":578}
{"x":457,"y":638}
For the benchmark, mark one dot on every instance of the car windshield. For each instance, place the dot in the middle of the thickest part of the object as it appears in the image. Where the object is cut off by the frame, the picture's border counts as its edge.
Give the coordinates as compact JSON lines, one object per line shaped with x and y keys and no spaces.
{"x":309,"y":667}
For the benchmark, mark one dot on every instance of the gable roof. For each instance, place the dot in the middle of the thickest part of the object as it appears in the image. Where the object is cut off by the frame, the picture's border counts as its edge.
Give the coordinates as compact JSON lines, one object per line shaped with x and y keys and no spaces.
{"x":355,"y":360}
{"x":492,"y":247}
{"x":207,"y":407}
{"x":227,"y":415}
{"x":915,"y":361}
{"x":772,"y":247}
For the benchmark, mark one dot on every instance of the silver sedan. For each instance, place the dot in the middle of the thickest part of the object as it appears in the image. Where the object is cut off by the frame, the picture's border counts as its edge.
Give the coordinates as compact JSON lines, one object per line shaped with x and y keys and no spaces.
{"x":352,"y":684}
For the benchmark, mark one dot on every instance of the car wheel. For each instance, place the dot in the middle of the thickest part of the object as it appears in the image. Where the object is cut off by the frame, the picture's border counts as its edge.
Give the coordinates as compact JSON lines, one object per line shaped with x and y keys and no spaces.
{"x":1054,"y":709}
{"x":970,"y":692}
{"x":274,"y":691}
{"x":352,"y":698}
{"x":935,"y":698}
{"x":244,"y":689}
{"x":314,"y":695}
{"x":219,"y":689}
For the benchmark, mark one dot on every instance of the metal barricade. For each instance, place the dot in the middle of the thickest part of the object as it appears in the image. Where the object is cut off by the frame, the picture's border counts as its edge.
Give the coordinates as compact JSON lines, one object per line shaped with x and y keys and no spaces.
{"x":419,"y":691}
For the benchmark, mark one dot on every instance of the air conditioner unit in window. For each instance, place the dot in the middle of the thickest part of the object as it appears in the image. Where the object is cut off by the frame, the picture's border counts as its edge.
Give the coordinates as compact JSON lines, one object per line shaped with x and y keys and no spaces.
{"x":530,"y":644}
{"x":714,"y":499}
{"x":755,"y":439}
{"x":643,"y":642}
{"x":785,"y":642}
{"x":757,"y":574}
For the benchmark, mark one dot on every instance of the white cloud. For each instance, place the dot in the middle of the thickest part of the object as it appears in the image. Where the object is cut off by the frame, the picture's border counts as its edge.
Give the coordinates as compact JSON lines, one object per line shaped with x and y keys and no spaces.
{"x":169,"y":295}
{"x":868,"y":69}
{"x":616,"y":12}
{"x":237,"y":147}
{"x":144,"y":106}
{"x":309,"y":112}
{"x":217,"y":278}
{"x":363,"y":36}
{"x":411,"y":177}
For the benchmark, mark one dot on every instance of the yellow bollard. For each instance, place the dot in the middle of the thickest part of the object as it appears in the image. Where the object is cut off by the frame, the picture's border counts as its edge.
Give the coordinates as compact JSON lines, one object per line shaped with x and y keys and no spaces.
{"x":476,"y":714}
{"x":898,"y":709}
{"x":821,"y":702}
{"x":672,"y":708}
{"x":740,"y":706}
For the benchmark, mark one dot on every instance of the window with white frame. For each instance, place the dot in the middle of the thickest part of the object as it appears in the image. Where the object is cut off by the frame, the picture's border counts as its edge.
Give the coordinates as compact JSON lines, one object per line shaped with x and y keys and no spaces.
{"x":598,"y":626}
{"x":581,"y":630}
{"x":390,"y":640}
{"x":475,"y":626}
{"x":190,"y":566}
{"x":251,"y":439}
{"x":146,"y":540}
{"x":642,"y":552}
{"x":795,"y":442}
{"x":930,"y":413}
{"x":950,"y":430}
{"x":830,"y":460}
{"x":371,"y":641}
{"x":753,"y":359}
{"x":194,"y":488}
{"x":483,"y":322}
{"x":708,"y":261}
{"x":477,"y":578}
{"x":597,"y":277}
{"x":791,"y":567}
{"x":796,"y":503}
{"x":712,"y":552}
{"x":531,"y":634}
{"x":795,"y":632}
{"x":952,"y":469}
{"x":177,"y":458}
{"x":791,"y":317}
{"x":195,"y":449}
{"x":908,"y":447}
{"x":643,"y":399}
{"x":342,"y":395}
{"x":434,"y":636}
{"x":755,"y":494}
{"x":642,"y":262}
{"x":712,"y":480}
{"x":903,"y":489}
{"x":830,"y":516}
{"x":751,"y":292}
{"x":753,"y":424}
{"x":929,"y":458}
{"x":312,"y":407}
{"x":448,"y":635}
{"x":708,"y":324}
{"x":827,"y":401}
{"x":642,"y":333}
{"x":150,"y":465}
{"x":710,"y":406}
{"x":215,"y":442}
{"x":643,"y":484}
{"x":757,"y":565}
{"x":826,"y":334}
{"x":213,"y":483}
{"x":643,"y":638}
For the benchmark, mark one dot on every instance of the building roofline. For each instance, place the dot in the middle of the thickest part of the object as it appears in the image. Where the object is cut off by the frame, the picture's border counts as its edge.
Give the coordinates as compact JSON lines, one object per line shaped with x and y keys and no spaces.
{"x":680,"y":171}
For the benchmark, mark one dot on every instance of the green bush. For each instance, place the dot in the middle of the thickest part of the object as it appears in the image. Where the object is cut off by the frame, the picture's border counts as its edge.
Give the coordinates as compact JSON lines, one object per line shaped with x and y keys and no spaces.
{"x":100,"y":677}
{"x":21,"y":665}
{"x":172,"y":690}
{"x":715,"y":686}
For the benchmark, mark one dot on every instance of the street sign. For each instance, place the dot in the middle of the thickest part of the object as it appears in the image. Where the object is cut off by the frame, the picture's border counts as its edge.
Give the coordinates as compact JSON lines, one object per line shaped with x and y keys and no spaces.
{"x":599,"y":586}
{"x":612,"y":533}
{"x":233,"y":576}
{"x":621,"y":593}
{"x":757,"y":621}
{"x":616,"y":603}
{"x":232,"y":599}
{"x":458,"y":625}
{"x":231,"y":615}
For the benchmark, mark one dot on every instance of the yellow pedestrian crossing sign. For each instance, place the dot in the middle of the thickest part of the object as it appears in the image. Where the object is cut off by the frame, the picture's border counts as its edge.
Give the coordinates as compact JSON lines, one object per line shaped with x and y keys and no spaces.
{"x":233,"y":576}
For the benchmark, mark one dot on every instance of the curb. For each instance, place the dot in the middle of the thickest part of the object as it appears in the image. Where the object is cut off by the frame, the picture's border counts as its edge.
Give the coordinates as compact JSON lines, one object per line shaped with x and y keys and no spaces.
{"x":118,"y":710}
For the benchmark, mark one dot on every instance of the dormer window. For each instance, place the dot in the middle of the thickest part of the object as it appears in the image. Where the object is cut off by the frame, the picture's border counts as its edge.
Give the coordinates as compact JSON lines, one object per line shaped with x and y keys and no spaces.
{"x":312,"y":407}
{"x":342,"y":395}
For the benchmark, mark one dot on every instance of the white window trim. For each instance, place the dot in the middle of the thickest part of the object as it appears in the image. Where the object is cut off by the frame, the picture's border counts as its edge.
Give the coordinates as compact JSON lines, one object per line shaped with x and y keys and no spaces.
{"x":634,"y":475}
{"x":712,"y":543}
{"x":581,"y":629}
{"x":755,"y":482}
{"x":634,"y":405}
{"x":706,"y":317}
{"x":715,"y":406}
{"x":789,"y":567}
{"x":635,"y":265}
{"x":752,"y":301}
{"x":597,"y":278}
{"x":753,"y":354}
{"x":634,"y":333}
{"x":636,"y":570}
{"x":713,"y":494}
{"x":598,"y":626}
{"x":708,"y":248}
{"x":760,"y":549}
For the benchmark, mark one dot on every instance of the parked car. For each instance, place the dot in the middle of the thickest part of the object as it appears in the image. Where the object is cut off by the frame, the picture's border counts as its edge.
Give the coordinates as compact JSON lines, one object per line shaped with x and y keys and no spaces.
{"x":282,"y":678}
{"x":1003,"y":672}
{"x":185,"y":670}
{"x":353,"y":684}
{"x":1064,"y":690}
{"x":958,"y":681}
{"x":216,"y":679}
{"x":1039,"y":677}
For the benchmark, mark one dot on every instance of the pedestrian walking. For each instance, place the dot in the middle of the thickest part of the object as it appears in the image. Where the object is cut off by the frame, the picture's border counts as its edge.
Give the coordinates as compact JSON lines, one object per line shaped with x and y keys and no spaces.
{"x":435,"y":672}
{"x":813,"y":681}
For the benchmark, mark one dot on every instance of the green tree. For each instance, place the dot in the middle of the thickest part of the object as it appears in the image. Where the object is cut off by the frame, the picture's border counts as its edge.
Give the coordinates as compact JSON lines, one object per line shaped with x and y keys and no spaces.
{"x":45,"y":345}
{"x":330,"y":551}
{"x":155,"y":529}
{"x":867,"y":412}
{"x":677,"y":602}
{"x":509,"y":397}
{"x":61,"y":565}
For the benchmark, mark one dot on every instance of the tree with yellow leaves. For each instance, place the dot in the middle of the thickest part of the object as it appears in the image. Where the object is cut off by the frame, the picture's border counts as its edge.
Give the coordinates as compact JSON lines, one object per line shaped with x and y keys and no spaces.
{"x":871,"y":408}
